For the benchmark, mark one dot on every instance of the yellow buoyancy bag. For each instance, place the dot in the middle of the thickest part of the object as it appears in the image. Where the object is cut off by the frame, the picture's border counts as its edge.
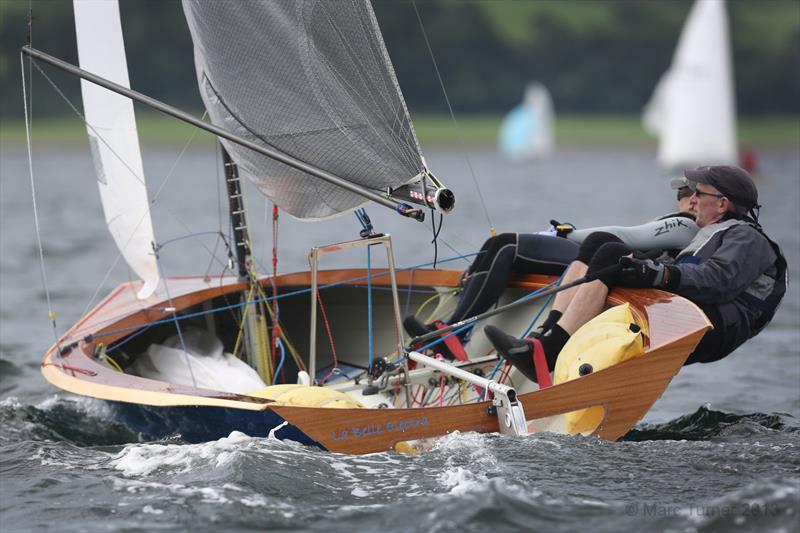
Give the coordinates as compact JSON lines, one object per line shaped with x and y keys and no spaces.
{"x":609,"y":338}
{"x":307,"y":396}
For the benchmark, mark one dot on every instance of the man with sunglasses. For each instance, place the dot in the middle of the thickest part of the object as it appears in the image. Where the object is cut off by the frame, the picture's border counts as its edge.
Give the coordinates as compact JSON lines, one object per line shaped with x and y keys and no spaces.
{"x":730,"y":269}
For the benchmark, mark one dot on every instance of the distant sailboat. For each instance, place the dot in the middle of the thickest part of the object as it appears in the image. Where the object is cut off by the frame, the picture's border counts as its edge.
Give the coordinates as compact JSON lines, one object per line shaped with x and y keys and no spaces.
{"x":527,"y":131}
{"x":692,"y":110}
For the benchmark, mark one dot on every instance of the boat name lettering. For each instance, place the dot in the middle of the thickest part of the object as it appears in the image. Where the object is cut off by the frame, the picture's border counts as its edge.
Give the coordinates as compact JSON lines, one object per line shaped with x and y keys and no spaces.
{"x":377,"y":429}
{"x":410,"y":423}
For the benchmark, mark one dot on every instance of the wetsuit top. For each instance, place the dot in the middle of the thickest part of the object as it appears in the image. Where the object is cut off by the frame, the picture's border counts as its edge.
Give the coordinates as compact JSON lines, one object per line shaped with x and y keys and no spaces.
{"x":733,"y":261}
{"x":670,"y":232}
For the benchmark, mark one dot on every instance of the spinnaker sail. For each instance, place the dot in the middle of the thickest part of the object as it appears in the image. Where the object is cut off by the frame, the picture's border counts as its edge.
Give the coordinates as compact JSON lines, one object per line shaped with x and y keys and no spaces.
{"x":692,"y":110}
{"x":311,"y":79}
{"x":111,"y":125}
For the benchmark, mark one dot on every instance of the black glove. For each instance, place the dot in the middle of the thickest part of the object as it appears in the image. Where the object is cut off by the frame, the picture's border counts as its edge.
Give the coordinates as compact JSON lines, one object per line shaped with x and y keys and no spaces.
{"x":641,"y":273}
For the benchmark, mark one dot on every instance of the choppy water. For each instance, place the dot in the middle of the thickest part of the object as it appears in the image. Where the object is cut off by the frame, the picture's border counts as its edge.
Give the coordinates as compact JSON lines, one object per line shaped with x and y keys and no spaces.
{"x":719,"y":452}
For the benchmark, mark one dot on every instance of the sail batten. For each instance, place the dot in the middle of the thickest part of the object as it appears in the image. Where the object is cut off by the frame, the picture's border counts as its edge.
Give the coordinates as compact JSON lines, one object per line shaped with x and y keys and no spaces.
{"x":113,"y":138}
{"x":310,"y":79}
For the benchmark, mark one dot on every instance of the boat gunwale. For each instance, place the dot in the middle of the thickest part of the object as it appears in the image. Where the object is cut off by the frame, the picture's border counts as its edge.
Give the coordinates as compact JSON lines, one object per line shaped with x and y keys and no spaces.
{"x":104,"y":382}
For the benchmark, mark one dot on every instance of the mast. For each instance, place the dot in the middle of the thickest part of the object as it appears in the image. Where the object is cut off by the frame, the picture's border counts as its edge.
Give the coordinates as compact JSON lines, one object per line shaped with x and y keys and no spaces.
{"x":254,"y":322}
{"x":241,"y":237}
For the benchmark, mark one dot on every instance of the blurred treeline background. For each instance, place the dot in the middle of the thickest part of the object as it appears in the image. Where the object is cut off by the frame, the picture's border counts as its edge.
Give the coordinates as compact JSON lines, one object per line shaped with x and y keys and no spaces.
{"x":595,"y":56}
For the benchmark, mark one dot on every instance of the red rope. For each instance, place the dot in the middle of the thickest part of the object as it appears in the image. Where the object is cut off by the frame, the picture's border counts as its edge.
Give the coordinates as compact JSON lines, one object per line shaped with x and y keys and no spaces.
{"x":73,"y":369}
{"x":330,"y":337}
{"x":414,"y":400}
{"x":276,"y":328}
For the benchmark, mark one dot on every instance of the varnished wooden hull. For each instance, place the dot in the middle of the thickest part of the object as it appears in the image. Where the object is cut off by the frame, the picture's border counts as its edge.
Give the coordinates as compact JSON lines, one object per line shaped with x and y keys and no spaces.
{"x":674,"y":326}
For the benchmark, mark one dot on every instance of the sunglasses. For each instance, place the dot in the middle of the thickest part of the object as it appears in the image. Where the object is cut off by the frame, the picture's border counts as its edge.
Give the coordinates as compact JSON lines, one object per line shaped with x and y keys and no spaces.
{"x":699,"y":193}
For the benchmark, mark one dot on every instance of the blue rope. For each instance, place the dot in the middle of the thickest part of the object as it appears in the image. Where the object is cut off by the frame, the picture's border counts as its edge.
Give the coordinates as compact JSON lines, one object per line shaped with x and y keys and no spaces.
{"x":543,"y":307}
{"x":360,"y":213}
{"x":389,"y":289}
{"x":264,"y":299}
{"x":496,"y":368}
{"x":280,"y":365}
{"x":369,"y":302}
{"x":408,"y":294}
{"x":128,"y":339}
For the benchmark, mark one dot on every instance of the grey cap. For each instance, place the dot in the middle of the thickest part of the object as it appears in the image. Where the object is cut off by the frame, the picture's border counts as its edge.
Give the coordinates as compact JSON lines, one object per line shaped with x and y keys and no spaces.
{"x":680,"y":183}
{"x":733,"y":182}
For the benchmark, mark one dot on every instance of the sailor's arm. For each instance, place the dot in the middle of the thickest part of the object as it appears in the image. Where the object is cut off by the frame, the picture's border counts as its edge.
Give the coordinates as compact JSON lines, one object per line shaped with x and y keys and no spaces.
{"x":743,"y":255}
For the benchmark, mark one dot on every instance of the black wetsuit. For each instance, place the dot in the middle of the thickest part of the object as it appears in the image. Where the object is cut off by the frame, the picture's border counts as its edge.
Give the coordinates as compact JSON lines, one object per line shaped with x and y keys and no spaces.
{"x":507,"y":254}
{"x":529,"y":253}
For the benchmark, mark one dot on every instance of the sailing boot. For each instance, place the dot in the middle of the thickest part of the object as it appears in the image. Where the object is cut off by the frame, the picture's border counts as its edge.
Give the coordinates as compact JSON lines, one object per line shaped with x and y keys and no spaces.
{"x":520,"y":352}
{"x":450,"y":348}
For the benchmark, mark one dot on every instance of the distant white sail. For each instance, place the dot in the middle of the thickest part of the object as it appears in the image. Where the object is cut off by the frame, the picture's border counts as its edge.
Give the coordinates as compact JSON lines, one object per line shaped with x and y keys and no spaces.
{"x":113,"y":139}
{"x":527,"y":131}
{"x":692,"y":110}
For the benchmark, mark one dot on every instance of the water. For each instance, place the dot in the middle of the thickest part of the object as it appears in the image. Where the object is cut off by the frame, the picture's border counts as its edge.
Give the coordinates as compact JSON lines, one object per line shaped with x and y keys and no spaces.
{"x":718,"y":452}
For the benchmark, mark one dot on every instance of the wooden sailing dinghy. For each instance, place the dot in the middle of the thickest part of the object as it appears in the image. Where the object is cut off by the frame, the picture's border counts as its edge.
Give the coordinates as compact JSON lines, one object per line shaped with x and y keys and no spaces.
{"x":626,"y":391}
{"x":319,"y":139}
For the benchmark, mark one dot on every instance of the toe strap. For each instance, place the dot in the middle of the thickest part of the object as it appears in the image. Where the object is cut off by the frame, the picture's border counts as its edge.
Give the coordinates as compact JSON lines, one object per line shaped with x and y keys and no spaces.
{"x":540,"y":363}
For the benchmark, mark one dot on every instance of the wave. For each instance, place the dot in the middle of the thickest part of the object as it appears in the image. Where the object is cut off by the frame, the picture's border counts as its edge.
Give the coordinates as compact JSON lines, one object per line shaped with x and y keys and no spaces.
{"x":708,"y":424}
{"x":81,"y":422}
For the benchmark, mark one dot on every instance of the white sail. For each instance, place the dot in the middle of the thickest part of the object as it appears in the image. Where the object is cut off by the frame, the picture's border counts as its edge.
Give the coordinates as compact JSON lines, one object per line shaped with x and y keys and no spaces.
{"x":692,"y":110}
{"x":113,"y":139}
{"x":527,"y":131}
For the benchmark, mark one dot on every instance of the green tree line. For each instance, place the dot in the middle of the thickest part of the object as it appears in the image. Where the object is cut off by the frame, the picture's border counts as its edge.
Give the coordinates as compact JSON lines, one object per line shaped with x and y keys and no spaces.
{"x":595,"y":56}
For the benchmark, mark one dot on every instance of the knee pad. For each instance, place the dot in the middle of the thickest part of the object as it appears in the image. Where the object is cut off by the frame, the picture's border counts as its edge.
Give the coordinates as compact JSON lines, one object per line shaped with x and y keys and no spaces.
{"x":592,"y":243}
{"x":606,"y":255}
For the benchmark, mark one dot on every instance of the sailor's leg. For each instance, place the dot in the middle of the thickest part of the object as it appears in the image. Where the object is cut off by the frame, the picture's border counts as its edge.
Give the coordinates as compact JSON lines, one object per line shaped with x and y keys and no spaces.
{"x":590,"y":298}
{"x":542,"y":254}
{"x":580,"y":266}
{"x":489,"y":278}
{"x":586,"y":303}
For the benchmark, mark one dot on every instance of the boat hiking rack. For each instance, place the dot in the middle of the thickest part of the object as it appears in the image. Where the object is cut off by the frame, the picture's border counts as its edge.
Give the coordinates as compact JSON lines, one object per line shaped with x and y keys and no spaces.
{"x":511,"y":417}
{"x":315,"y":254}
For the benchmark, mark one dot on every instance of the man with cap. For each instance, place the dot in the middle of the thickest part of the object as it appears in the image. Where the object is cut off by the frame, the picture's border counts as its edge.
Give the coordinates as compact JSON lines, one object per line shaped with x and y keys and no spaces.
{"x":551,"y":252}
{"x":730,"y":269}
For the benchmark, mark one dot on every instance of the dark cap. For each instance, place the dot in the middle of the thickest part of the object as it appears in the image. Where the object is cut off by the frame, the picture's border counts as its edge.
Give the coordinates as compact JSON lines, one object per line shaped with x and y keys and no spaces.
{"x":680,"y":182}
{"x":733,"y":182}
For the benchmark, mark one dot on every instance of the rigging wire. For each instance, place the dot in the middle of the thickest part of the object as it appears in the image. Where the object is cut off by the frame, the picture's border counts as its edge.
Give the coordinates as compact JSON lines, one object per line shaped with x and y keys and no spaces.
{"x":155,"y":196}
{"x":175,"y":318}
{"x":453,"y":117}
{"x":50,"y":312}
